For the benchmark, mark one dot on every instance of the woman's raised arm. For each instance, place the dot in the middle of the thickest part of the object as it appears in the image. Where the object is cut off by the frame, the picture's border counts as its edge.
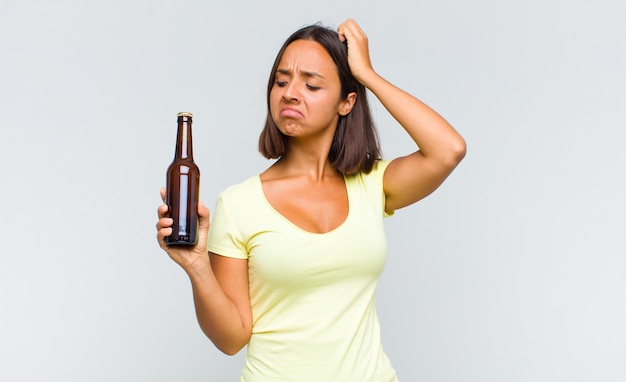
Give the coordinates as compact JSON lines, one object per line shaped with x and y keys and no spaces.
{"x":440,"y":148}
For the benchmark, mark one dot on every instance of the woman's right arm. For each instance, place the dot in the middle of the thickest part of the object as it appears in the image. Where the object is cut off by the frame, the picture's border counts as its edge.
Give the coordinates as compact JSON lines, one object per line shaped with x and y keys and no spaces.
{"x":219,"y":284}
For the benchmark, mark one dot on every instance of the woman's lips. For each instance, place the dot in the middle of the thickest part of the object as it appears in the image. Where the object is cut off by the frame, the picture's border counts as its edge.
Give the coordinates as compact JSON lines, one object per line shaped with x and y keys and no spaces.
{"x":289,"y":112}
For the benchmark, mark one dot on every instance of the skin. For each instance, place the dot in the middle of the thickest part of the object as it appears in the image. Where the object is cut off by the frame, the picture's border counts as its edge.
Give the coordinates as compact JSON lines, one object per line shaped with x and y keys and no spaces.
{"x":305,"y":103}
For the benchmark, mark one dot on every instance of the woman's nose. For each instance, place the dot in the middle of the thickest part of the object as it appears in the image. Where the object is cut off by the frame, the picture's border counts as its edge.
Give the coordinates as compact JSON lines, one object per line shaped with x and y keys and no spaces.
{"x":291,"y":92}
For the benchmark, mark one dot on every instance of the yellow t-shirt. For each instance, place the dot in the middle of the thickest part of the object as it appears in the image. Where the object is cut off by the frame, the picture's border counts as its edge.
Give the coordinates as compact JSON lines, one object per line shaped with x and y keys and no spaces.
{"x":312,"y":295}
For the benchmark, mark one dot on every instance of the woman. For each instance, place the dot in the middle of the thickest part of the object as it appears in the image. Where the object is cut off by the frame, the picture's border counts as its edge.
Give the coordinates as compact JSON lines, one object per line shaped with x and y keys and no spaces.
{"x":295,"y":253}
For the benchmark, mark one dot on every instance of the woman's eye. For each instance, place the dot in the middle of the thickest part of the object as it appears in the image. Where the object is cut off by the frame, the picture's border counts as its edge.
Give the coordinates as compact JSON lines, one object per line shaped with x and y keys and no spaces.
{"x":311,"y":87}
{"x":281,"y":84}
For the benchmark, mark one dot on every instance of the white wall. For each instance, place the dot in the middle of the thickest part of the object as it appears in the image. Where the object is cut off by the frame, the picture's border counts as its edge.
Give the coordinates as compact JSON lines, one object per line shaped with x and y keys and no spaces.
{"x":512,"y":271}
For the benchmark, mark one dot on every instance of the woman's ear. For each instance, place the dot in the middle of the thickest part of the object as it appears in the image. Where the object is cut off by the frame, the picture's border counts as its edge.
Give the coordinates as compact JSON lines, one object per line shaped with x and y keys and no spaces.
{"x":345,"y":106}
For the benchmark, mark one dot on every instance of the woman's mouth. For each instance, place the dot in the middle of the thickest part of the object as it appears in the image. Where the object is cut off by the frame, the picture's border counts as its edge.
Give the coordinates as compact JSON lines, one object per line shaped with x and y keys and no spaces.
{"x":289,"y":112}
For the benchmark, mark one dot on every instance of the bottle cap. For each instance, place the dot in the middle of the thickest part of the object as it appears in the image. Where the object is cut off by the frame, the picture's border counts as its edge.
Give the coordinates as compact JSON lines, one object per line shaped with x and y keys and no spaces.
{"x":185,"y":114}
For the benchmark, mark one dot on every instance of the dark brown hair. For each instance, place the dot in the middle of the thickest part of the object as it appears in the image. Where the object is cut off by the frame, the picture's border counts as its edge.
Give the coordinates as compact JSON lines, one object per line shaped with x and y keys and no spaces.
{"x":355,"y":145}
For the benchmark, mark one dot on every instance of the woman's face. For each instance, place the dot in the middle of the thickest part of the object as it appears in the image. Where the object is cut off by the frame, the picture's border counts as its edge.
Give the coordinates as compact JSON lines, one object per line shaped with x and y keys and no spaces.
{"x":305,"y":100}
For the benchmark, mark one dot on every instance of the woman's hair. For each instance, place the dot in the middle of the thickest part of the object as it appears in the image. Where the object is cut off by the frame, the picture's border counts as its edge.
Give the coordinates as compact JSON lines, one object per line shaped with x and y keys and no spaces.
{"x":355,"y":144}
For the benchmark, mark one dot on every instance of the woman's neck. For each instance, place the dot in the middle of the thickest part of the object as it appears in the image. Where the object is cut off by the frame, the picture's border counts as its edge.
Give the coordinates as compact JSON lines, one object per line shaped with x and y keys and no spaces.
{"x":298,"y":164}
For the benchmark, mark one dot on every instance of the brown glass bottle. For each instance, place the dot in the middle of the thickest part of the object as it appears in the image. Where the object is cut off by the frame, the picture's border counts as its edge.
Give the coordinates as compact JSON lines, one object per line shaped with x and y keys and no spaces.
{"x":183,"y":187}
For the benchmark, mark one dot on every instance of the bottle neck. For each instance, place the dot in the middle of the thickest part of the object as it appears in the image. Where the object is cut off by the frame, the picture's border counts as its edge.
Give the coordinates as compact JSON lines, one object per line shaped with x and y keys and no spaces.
{"x":184,"y":146}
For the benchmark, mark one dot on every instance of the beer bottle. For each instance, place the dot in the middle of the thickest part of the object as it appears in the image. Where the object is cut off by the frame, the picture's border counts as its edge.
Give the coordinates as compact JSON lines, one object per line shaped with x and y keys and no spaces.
{"x":183,"y":187}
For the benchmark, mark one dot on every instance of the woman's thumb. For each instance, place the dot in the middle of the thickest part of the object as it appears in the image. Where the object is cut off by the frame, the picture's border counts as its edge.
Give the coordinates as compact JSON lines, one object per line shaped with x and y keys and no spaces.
{"x":203,"y":217}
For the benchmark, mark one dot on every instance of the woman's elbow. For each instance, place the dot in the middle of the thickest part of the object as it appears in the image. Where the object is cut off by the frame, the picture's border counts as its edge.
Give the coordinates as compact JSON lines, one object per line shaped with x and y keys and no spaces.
{"x":230,"y":349}
{"x":460,"y":149}
{"x":456,"y":152}
{"x":231,"y":346}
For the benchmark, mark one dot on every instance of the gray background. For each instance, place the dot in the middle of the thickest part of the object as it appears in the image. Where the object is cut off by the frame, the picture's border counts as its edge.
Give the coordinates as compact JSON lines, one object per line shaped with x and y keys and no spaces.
{"x":512,"y":271}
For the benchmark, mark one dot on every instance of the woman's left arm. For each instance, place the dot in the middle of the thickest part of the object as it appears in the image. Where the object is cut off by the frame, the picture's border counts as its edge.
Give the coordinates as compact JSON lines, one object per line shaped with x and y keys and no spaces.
{"x":440,"y":148}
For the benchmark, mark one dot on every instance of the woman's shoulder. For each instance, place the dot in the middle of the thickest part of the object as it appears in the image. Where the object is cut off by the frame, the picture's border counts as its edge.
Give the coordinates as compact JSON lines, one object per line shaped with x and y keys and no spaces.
{"x":377,"y":172}
{"x":380,"y":166}
{"x":241,"y":198}
{"x":242,"y":189}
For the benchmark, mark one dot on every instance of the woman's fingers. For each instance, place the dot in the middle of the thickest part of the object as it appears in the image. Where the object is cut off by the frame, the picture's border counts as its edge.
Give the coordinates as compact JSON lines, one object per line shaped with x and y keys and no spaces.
{"x":164,"y":224}
{"x":350,"y":30}
{"x":162,"y":211}
{"x":358,"y":50}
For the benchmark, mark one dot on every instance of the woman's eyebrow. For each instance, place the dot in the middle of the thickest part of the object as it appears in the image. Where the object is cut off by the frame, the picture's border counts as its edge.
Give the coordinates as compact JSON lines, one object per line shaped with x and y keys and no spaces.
{"x":305,"y":73}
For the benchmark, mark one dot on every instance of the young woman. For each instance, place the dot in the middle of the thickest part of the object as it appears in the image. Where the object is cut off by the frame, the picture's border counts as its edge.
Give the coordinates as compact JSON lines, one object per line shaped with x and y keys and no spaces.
{"x":295,"y":253}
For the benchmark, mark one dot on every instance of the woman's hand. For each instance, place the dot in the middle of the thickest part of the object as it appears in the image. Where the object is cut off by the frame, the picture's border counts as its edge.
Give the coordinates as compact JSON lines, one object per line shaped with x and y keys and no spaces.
{"x":358,"y":50}
{"x":189,"y":258}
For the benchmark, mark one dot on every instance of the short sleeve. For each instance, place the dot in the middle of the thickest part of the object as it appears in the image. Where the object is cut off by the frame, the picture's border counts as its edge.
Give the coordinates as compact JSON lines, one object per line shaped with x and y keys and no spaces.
{"x":225,"y":238}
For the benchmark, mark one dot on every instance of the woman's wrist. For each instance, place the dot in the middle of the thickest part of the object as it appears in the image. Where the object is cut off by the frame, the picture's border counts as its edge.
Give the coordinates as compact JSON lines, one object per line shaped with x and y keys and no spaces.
{"x":199,"y":268}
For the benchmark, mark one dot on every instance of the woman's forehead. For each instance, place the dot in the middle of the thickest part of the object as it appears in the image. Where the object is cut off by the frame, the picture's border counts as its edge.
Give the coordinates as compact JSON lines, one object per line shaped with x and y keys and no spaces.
{"x":306,"y":57}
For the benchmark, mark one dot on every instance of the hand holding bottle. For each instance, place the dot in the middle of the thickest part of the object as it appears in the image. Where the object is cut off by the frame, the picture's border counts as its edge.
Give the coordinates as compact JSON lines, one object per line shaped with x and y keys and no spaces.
{"x":190,"y":258}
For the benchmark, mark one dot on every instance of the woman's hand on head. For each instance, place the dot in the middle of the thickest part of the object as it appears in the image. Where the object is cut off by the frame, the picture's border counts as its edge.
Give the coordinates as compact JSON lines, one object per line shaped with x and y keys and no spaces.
{"x":358,"y":49}
{"x":189,"y":258}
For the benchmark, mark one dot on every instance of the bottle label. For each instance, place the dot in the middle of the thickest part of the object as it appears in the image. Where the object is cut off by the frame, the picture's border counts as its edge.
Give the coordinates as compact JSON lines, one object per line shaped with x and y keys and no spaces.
{"x":182,"y":206}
